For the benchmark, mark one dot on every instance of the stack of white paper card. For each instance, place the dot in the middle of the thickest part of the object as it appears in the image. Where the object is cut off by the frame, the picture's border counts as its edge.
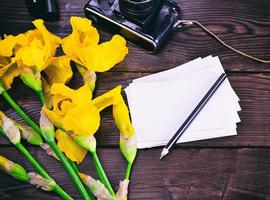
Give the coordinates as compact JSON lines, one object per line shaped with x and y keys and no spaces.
{"x":161,"y":102}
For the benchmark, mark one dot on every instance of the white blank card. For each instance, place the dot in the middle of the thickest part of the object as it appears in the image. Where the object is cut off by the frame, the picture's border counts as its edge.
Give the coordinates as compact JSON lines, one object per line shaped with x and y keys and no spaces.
{"x":160,"y":103}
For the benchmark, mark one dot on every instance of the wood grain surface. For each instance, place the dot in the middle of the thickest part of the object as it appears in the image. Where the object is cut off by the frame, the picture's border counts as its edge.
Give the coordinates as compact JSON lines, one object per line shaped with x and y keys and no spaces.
{"x":232,"y":168}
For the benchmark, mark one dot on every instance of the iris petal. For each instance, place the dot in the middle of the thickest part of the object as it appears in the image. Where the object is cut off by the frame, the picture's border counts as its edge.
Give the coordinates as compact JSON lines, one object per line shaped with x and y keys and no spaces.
{"x":59,"y":70}
{"x":72,"y":150}
{"x":120,"y":110}
{"x":83,"y":48}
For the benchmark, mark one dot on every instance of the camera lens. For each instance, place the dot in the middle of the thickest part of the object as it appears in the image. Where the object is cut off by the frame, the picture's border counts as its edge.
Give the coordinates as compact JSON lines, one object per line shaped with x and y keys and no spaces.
{"x":138,"y":8}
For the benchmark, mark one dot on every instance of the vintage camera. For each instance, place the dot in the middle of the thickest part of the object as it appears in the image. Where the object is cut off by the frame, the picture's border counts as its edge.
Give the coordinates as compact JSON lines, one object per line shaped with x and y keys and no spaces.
{"x":144,"y":23}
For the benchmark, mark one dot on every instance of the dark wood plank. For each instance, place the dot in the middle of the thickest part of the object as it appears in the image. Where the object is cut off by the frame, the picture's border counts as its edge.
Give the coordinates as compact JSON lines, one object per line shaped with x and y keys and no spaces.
{"x":198,"y":174}
{"x":245,"y":24}
{"x":252,"y":89}
{"x":199,"y":170}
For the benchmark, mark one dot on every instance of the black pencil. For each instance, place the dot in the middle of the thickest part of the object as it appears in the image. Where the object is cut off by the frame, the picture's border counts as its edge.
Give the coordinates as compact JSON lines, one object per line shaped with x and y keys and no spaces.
{"x":192,"y":115}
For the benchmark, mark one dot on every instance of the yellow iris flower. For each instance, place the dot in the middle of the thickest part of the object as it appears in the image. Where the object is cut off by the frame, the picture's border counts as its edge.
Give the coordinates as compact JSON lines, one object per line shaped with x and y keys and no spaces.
{"x":75,"y":112}
{"x":127,"y":143}
{"x":38,"y":55}
{"x":30,"y":53}
{"x":40,"y":46}
{"x":8,"y":68}
{"x":83,"y":48}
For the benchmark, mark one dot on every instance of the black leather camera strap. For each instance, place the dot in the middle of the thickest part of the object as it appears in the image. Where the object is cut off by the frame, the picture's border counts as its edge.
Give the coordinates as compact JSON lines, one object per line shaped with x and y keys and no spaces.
{"x":182,"y":23}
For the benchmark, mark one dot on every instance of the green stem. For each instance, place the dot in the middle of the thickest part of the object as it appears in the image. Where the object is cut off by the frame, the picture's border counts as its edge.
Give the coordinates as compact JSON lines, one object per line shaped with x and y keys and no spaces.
{"x":76,"y":169}
{"x":17,"y":108}
{"x":102,"y":173}
{"x":41,"y":171}
{"x":98,"y":171}
{"x":32,"y":160}
{"x":62,"y":193}
{"x":73,"y":164}
{"x":128,"y":170}
{"x":41,"y":96}
{"x":70,"y":170}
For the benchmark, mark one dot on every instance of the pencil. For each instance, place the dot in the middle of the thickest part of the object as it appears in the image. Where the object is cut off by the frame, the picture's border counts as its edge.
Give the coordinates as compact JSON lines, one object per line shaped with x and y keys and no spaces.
{"x":192,"y":115}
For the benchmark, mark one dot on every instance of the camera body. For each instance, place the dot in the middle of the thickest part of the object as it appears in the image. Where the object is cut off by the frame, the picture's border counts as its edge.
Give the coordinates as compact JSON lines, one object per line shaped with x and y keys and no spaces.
{"x":45,"y":9}
{"x":144,"y":23}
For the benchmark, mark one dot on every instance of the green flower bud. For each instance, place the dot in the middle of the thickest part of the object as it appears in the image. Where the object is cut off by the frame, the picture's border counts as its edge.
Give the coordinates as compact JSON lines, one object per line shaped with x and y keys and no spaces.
{"x":31,"y":80}
{"x":90,"y":77}
{"x":19,"y":173}
{"x":96,"y":187}
{"x":13,"y":169}
{"x":10,"y":130}
{"x":46,"y":88}
{"x":128,"y":148}
{"x":40,"y":182}
{"x":34,"y":138}
{"x":30,"y":135}
{"x":47,"y":128}
{"x":86,"y":141}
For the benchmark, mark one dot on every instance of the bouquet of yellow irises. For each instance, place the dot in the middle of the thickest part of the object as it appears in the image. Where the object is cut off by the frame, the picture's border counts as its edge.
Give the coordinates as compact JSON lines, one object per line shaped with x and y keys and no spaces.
{"x":69,"y":117}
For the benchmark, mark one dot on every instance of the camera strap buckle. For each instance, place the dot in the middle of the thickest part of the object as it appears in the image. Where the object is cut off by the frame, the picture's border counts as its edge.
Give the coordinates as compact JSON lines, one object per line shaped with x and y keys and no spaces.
{"x":183,"y":24}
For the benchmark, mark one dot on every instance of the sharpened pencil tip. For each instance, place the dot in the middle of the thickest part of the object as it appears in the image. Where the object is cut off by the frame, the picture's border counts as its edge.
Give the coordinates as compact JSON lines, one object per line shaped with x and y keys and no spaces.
{"x":163,"y":153}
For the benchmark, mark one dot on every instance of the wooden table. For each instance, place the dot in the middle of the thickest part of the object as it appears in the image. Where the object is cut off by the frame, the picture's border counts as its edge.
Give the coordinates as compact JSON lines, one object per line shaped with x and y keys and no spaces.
{"x":232,"y":168}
